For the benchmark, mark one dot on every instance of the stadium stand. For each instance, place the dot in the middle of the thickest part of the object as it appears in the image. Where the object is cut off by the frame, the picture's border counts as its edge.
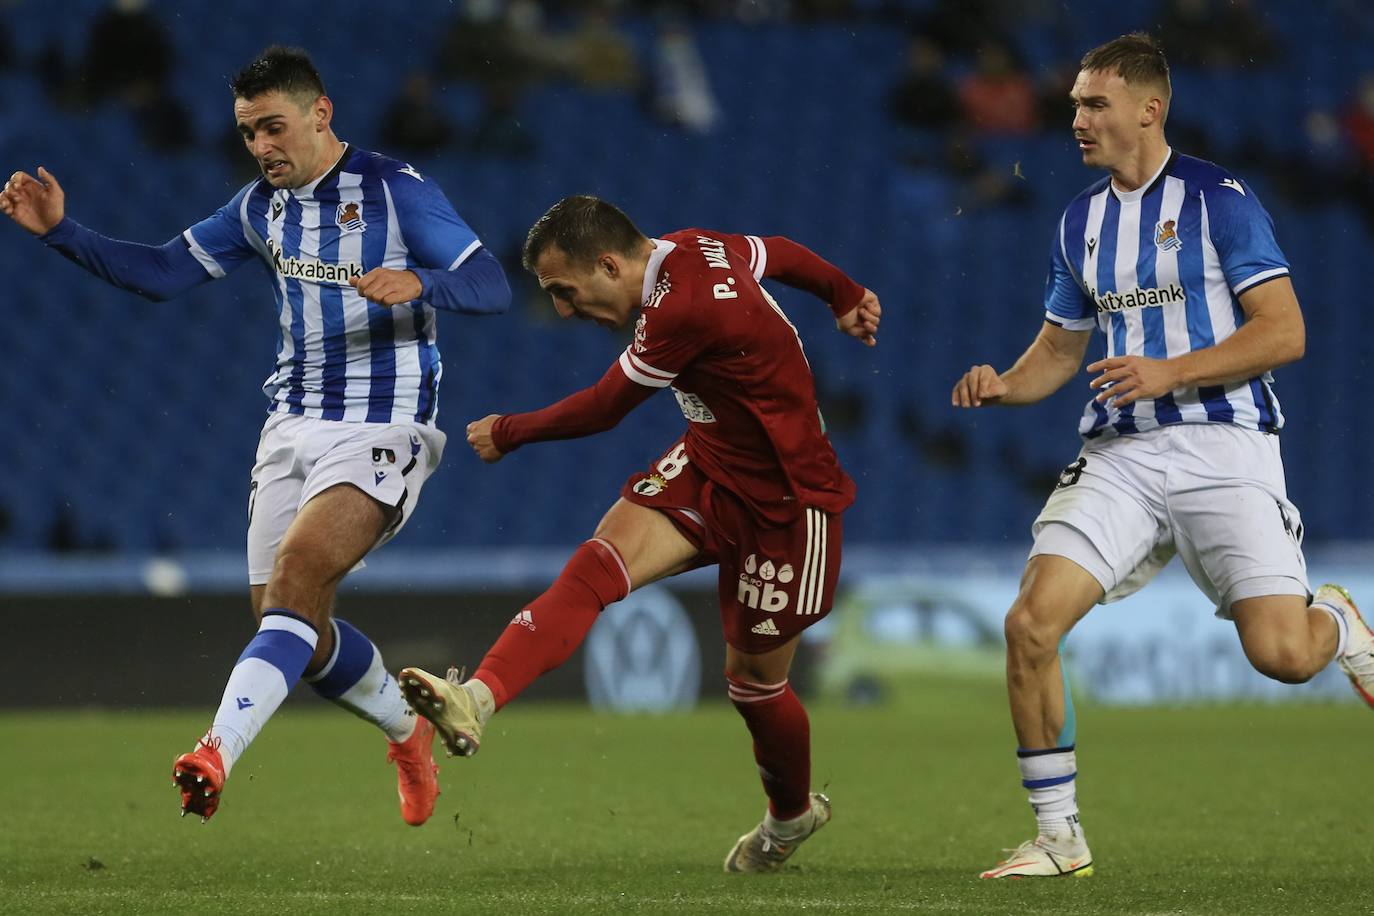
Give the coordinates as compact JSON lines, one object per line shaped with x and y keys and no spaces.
{"x":130,"y":425}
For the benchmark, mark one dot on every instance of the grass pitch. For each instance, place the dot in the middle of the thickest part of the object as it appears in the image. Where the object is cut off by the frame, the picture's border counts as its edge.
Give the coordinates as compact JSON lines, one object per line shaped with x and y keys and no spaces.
{"x":1237,"y":809}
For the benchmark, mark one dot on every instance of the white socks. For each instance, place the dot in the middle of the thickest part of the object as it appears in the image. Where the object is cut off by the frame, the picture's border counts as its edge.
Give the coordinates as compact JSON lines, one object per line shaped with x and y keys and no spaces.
{"x":265,"y":673}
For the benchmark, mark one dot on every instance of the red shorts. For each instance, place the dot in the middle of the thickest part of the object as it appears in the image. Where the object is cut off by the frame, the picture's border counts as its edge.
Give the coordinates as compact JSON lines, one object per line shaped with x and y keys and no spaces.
{"x":774,"y":582}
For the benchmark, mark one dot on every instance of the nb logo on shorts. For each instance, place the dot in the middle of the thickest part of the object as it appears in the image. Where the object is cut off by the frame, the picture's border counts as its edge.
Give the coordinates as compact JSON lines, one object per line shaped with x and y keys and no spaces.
{"x":758,"y":591}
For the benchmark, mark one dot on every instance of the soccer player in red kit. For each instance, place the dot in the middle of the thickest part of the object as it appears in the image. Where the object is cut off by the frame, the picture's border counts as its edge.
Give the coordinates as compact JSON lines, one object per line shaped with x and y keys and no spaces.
{"x":753,"y":486}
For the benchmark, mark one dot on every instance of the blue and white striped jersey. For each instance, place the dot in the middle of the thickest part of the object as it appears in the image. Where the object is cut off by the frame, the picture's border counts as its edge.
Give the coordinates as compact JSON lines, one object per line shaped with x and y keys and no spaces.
{"x":1159,"y":270}
{"x":340,"y":357}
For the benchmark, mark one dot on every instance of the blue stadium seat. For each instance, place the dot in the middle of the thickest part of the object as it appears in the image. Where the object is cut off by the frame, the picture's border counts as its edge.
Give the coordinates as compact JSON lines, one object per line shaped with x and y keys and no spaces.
{"x":804,"y":149}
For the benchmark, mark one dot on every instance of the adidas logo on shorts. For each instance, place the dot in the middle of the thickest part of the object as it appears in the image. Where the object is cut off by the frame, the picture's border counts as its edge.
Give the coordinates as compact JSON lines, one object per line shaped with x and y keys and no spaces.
{"x":767,"y":628}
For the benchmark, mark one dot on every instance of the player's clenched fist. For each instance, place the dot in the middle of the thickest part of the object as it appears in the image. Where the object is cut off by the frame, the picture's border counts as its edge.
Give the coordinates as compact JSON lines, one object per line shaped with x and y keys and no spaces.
{"x":37,"y":204}
{"x":979,"y":384}
{"x":479,"y":437}
{"x":386,"y":286}
{"x":862,"y":320}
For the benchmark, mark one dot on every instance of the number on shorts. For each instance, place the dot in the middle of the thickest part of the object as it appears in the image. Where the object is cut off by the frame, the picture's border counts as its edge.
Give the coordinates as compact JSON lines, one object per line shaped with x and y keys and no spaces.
{"x":1069,"y":476}
{"x":671,"y":464}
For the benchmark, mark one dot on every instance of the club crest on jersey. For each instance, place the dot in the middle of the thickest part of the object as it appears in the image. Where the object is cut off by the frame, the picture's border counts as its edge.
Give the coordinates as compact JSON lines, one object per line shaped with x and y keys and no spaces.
{"x":1166,"y":236}
{"x":651,"y":485}
{"x":349,"y":216}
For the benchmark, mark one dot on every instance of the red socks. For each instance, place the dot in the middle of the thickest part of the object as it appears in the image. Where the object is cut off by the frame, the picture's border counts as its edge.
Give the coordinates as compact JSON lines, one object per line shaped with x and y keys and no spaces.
{"x":548,"y":630}
{"x":782,"y":743}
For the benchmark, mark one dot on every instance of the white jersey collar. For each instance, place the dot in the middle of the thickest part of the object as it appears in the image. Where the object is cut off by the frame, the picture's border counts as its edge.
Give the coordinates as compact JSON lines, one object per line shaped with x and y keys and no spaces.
{"x":307,"y":192}
{"x":661,"y":250}
{"x":1130,"y":197}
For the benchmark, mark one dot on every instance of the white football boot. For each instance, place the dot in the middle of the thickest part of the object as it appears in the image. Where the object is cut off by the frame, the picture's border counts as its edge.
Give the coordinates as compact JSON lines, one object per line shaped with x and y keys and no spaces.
{"x":761,"y":850}
{"x":1358,"y":660}
{"x":1046,"y":857}
{"x":449,"y":704}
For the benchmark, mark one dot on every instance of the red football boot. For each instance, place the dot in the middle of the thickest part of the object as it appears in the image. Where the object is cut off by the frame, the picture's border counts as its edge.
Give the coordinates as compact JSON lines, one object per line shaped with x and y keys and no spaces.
{"x":200,"y":776}
{"x":416,"y":773}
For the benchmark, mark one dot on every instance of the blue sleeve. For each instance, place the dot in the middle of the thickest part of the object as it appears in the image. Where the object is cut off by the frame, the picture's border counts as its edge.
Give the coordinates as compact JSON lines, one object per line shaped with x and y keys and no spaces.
{"x":1243,"y":234}
{"x":442,"y":245}
{"x":154,"y":272}
{"x":1066,"y":304}
{"x":219,"y":241}
{"x":477,"y":286}
{"x":432,"y":230}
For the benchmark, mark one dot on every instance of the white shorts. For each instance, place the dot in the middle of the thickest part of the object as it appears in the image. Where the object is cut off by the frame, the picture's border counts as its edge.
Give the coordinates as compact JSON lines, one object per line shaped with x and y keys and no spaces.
{"x":1212,"y":493}
{"x":301,"y":457}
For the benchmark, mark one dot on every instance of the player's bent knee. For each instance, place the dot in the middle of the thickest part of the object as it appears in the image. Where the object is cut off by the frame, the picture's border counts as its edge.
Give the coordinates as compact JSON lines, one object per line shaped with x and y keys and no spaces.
{"x":300,"y":573}
{"x":1029,"y":633}
{"x":1285,"y":664}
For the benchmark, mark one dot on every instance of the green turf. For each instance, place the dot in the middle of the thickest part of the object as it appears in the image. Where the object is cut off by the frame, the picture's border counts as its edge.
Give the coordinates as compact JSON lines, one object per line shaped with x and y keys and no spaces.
{"x":1239,"y":809}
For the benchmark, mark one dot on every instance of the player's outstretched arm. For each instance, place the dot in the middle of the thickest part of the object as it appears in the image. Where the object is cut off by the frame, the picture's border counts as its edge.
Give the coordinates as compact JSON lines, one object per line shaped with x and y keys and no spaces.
{"x":777,"y":257}
{"x":37,"y":204}
{"x":584,"y":413}
{"x":154,"y":272}
{"x":862,"y":320}
{"x":1050,"y":361}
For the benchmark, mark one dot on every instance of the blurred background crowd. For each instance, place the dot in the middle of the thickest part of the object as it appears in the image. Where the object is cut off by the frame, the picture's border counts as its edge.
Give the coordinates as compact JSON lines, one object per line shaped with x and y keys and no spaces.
{"x":922,"y":145}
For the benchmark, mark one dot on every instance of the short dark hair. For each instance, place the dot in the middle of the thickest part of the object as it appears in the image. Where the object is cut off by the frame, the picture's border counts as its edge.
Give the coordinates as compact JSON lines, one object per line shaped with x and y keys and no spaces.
{"x":583,"y":227}
{"x":1137,"y":58}
{"x":279,"y":69}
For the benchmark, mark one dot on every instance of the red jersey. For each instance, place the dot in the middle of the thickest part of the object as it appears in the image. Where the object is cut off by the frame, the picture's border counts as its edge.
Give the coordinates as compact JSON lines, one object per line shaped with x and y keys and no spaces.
{"x":708,"y":330}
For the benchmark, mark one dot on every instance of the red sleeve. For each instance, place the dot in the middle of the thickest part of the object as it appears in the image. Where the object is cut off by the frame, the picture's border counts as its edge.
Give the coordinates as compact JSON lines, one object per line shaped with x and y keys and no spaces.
{"x":589,"y":411}
{"x":796,"y":265}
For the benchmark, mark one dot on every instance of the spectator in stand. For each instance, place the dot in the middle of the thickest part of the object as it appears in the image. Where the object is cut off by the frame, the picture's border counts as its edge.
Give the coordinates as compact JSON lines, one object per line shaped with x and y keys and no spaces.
{"x":599,"y":55}
{"x":129,"y":58}
{"x":1216,"y":34}
{"x":923,"y":97}
{"x":947,"y":121}
{"x":412,"y":123}
{"x":1358,"y":120}
{"x":498,"y":131}
{"x":504,"y":49}
{"x":998,"y":97}
{"x":128,"y":53}
{"x":6,"y":44}
{"x":961,"y":27}
{"x":498,"y":44}
{"x":681,"y":93}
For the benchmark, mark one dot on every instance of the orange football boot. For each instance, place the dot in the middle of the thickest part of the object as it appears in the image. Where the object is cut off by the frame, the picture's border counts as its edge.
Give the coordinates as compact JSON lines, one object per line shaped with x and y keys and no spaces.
{"x":416,"y":773}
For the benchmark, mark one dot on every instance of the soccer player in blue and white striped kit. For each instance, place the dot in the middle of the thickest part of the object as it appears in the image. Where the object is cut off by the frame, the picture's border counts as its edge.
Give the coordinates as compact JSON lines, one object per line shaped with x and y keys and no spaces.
{"x":362,"y":250}
{"x":1175,"y":261}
